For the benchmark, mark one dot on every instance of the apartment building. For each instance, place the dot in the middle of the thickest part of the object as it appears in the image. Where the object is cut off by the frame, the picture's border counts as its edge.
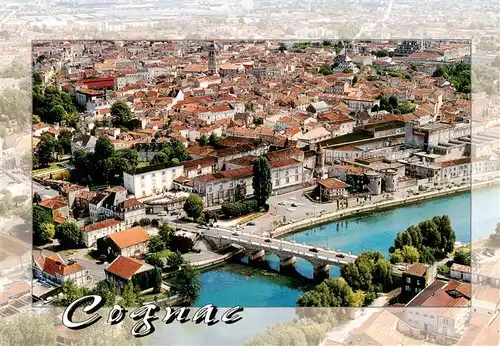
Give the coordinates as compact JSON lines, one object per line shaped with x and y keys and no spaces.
{"x":441,"y":315}
{"x":99,"y":230}
{"x":226,"y":186}
{"x":53,"y":269}
{"x":151,"y":180}
{"x":132,"y":242}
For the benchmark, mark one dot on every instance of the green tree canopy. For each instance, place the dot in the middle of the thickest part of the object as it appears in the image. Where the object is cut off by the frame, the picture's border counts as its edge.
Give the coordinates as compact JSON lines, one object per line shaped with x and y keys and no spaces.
{"x":121,"y":113}
{"x":193,"y":206}
{"x":187,"y":282}
{"x":41,"y":217}
{"x":46,"y":150}
{"x":261,"y":180}
{"x":69,"y":235}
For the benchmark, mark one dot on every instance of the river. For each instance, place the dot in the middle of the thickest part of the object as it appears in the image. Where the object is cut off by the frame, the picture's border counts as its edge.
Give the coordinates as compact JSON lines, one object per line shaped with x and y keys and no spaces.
{"x":238,"y":284}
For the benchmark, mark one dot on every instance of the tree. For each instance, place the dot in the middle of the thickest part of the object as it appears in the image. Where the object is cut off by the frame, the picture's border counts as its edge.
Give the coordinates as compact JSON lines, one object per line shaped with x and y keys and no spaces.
{"x":154,"y":259}
{"x":69,"y":235}
{"x":350,"y":274}
{"x":357,"y":299}
{"x":37,"y":80}
{"x":258,"y":121}
{"x":382,"y":274}
{"x":160,"y":157}
{"x":48,"y":231}
{"x":340,"y":291}
{"x":406,"y":239}
{"x":165,"y":233}
{"x":70,"y":292}
{"x":325,"y":70}
{"x":156,"y":244}
{"x":187,"y":282}
{"x":176,"y":260}
{"x":397,"y":257}
{"x":104,"y":149}
{"x":40,"y":217}
{"x":193,"y":206}
{"x":430,"y":234}
{"x":121,"y":114}
{"x":56,"y":113}
{"x":415,"y":235}
{"x":427,"y":255}
{"x":109,"y":291}
{"x":261,"y":180}
{"x":393,"y":101}
{"x":410,"y":254}
{"x":213,"y":140}
{"x":203,"y":140}
{"x":179,"y":151}
{"x":46,"y":150}
{"x":128,"y":296}
{"x":462,"y":256}
{"x":64,"y":141}
{"x":447,"y":234}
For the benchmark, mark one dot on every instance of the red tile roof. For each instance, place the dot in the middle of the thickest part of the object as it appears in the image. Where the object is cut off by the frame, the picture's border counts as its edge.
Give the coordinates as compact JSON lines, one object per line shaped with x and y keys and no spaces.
{"x":53,"y":203}
{"x":55,"y":265}
{"x":129,"y":237}
{"x":124,"y":267}
{"x":456,"y":162}
{"x":332,"y":183}
{"x":100,"y":225}
{"x":417,"y":269}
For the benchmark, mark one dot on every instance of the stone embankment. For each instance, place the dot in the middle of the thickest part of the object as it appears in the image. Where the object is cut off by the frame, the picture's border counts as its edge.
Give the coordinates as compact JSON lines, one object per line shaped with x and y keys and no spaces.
{"x":374,"y":207}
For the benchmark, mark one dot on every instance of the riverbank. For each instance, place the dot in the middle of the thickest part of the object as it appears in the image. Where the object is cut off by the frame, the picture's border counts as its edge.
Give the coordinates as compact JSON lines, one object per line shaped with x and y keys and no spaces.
{"x":374,"y":207}
{"x":214,"y":259}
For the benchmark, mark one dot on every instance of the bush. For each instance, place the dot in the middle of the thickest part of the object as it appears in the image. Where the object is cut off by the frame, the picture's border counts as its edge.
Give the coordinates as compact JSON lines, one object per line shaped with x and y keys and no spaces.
{"x":155,"y":223}
{"x":443,"y":269}
{"x":135,"y":224}
{"x":144,"y":222}
{"x":236,"y":209}
{"x":266,"y":207}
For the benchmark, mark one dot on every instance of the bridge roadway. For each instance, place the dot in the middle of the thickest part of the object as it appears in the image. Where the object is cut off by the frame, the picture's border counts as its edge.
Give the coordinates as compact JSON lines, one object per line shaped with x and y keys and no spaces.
{"x":287,"y":251}
{"x":257,"y":246}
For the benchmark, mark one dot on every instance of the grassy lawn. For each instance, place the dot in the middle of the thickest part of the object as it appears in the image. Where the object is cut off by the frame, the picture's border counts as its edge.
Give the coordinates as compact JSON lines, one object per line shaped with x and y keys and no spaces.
{"x":142,"y":164}
{"x":149,"y":297}
{"x":165,"y":253}
{"x":52,"y":166}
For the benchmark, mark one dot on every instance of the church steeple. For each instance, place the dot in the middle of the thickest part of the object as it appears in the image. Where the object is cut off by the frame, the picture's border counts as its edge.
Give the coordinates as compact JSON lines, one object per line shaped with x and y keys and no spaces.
{"x":213,"y":68}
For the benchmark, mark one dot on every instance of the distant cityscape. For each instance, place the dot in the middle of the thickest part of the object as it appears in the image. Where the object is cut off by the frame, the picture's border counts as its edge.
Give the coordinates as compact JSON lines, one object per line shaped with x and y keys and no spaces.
{"x":157,"y":161}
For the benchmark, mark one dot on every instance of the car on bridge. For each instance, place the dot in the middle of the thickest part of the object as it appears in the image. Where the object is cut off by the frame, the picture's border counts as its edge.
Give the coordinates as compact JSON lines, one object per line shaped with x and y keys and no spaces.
{"x":251,"y":223}
{"x":313,"y":250}
{"x":339,"y":255}
{"x":267,"y":240}
{"x":236,"y":233}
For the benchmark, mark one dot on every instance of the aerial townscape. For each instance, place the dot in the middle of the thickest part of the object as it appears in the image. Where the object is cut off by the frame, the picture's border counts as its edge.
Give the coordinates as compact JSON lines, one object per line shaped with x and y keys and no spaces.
{"x":322,"y":173}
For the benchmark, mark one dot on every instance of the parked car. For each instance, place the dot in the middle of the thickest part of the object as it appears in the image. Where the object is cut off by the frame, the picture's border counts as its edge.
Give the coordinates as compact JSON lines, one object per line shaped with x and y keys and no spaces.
{"x":313,"y":250}
{"x":202,"y":226}
{"x":47,"y":187}
{"x":162,"y":213}
{"x":281,"y":203}
{"x":174,"y":213}
{"x":293,"y":205}
{"x":251,"y":223}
